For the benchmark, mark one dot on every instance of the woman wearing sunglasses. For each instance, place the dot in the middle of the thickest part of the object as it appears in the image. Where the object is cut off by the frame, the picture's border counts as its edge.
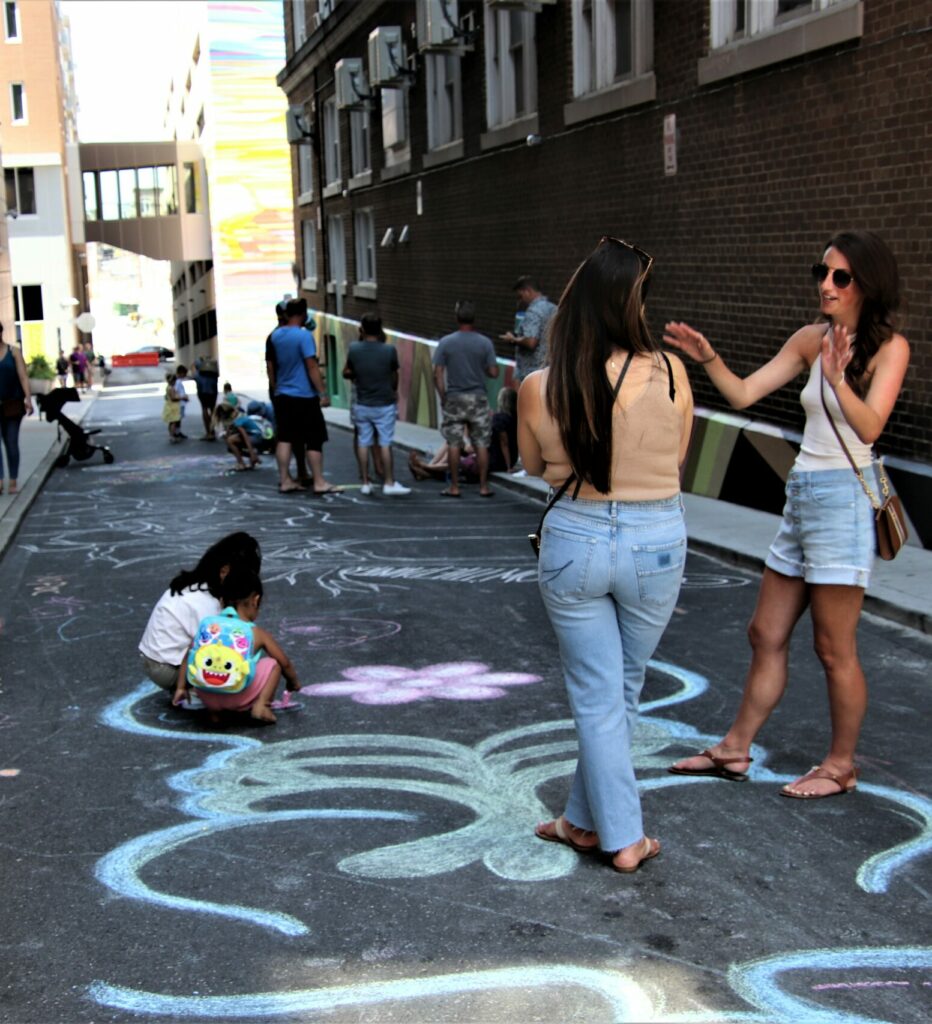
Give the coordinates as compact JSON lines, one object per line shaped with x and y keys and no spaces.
{"x":824,"y":550}
{"x":609,"y":423}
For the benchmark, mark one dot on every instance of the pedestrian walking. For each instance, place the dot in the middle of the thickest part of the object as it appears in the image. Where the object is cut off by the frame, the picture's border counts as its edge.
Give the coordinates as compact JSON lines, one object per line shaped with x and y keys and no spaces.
{"x":823,"y":553}
{"x":299,"y":393}
{"x":62,"y":366}
{"x":608,"y":424}
{"x":78,"y":362}
{"x":15,"y":403}
{"x":233,"y":664}
{"x":372,"y":366}
{"x":192,"y":595}
{"x":462,"y":361}
{"x":181,"y":375}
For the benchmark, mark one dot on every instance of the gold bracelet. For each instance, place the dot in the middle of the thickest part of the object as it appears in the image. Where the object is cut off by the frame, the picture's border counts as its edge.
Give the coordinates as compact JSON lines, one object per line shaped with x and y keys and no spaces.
{"x":705,"y":362}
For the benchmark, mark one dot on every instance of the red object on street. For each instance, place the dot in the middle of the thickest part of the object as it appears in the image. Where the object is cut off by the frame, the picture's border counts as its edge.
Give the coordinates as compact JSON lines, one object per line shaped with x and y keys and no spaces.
{"x":137,"y":359}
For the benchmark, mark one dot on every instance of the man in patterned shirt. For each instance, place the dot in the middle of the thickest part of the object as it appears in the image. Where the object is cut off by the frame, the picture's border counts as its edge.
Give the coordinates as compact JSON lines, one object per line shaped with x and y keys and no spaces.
{"x":531,"y":343}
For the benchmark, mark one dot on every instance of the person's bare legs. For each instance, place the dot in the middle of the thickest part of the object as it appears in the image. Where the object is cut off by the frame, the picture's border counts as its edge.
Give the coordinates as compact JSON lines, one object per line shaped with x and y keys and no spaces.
{"x":482,"y":464}
{"x":835,"y":614}
{"x":233,"y":448}
{"x":780,"y":603}
{"x":382,"y":457}
{"x":453,"y":455}
{"x":322,"y":485}
{"x":261,"y":709}
{"x":362,"y":460}
{"x":283,"y":458}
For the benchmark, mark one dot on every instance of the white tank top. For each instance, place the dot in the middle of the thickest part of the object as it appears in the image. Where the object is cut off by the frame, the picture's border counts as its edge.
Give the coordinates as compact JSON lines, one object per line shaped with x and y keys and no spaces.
{"x":820,"y":448}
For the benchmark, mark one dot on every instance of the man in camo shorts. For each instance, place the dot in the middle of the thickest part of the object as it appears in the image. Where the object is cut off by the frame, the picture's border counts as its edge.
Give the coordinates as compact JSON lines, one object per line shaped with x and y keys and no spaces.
{"x":462,"y":361}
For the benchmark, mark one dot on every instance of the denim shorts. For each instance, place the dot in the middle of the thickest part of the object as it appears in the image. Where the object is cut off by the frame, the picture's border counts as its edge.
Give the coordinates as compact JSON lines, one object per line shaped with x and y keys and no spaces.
{"x":827,"y":534}
{"x":372,"y":420}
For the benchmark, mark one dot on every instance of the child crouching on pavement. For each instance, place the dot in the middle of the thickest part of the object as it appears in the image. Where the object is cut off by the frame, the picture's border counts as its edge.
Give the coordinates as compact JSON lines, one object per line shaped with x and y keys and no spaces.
{"x":232,"y":663}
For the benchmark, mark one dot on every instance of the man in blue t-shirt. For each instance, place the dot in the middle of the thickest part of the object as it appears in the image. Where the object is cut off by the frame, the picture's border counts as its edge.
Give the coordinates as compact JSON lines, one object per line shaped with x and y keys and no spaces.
{"x":298,"y":393}
{"x":462,"y":360}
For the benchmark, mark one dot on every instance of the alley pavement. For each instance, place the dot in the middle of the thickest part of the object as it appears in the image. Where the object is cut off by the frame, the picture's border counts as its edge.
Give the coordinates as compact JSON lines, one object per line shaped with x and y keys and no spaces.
{"x":371,"y":857}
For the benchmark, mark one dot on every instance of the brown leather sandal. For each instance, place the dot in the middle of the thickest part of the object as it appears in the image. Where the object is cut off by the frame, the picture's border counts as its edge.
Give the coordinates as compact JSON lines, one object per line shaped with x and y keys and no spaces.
{"x":718,"y":768}
{"x":558,"y":833}
{"x":846,"y":782}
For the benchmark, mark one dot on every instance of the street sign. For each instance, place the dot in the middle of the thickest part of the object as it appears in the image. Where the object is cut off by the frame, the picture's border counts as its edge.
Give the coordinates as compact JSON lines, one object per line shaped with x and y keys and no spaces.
{"x":85,"y":323}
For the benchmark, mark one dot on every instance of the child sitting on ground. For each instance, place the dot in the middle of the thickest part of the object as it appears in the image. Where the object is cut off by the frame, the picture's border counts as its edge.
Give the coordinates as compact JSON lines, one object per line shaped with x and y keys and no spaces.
{"x":232,"y":663}
{"x":192,"y":595}
{"x":171,"y":410}
{"x":226,"y":411}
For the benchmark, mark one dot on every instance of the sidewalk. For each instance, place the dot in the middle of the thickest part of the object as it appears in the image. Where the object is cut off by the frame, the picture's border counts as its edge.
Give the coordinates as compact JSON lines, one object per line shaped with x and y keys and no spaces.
{"x":900,"y":591}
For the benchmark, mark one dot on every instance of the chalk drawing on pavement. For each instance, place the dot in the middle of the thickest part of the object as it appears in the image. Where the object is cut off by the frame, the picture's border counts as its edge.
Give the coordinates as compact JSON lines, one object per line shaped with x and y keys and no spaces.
{"x":332,"y":632}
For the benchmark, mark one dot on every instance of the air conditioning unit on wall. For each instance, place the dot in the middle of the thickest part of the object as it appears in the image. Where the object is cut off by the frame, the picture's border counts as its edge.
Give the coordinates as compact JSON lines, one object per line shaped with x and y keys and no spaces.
{"x":386,"y":55}
{"x":437,"y":24}
{"x":352,"y":90}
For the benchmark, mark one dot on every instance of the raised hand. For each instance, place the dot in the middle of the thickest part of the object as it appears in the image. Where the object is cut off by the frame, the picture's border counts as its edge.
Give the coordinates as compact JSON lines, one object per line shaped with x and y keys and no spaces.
{"x":689,"y":341}
{"x":836,"y":354}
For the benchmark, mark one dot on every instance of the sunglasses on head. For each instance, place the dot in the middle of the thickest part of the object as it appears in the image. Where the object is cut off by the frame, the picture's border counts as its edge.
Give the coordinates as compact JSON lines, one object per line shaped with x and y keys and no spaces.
{"x":840,"y":278}
{"x":647,"y":261}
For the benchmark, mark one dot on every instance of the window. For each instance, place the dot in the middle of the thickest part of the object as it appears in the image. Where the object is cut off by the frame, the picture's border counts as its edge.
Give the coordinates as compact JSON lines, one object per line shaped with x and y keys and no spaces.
{"x":336,"y":251}
{"x":305,"y":172}
{"x":298,"y":23}
{"x":612,"y":42}
{"x":192,"y":189}
{"x":27,"y":303}
{"x":332,"y":142}
{"x":166,"y":179}
{"x":18,"y":103}
{"x":127,"y":182}
{"x":11,"y":21}
{"x":364,"y":230}
{"x":444,"y":118}
{"x":20,"y":185}
{"x":360,"y":155}
{"x":754,"y":34}
{"x":91,"y":203}
{"x":109,"y":196}
{"x":394,"y":119}
{"x":147,"y":191}
{"x":309,"y":254}
{"x":510,"y":65}
{"x":200,"y":123}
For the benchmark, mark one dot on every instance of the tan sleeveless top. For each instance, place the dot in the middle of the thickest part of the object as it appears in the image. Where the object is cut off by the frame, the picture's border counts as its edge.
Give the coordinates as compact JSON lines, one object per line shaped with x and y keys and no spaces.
{"x":647,"y":431}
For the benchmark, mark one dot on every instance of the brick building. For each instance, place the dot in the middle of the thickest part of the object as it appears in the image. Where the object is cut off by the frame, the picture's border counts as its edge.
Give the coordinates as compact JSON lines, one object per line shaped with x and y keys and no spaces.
{"x":729,"y":139}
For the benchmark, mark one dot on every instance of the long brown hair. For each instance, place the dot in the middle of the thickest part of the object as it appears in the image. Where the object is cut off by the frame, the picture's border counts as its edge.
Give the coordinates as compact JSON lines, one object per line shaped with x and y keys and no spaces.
{"x":874,"y":269}
{"x":601,"y":311}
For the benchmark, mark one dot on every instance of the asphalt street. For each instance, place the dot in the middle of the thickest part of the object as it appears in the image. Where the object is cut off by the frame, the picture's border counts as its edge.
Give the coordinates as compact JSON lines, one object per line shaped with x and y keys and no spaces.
{"x":371,"y":857}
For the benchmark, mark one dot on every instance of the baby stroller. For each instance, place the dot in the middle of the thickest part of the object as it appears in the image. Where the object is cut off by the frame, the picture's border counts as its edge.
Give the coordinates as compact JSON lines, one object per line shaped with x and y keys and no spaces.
{"x":78,"y":447}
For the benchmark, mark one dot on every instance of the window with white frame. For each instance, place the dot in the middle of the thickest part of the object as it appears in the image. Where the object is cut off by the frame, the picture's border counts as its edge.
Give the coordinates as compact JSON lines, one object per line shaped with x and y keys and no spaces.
{"x":444,"y":108}
{"x":20,"y":186}
{"x":336,"y":251}
{"x":332,"y":167}
{"x":510,"y":65}
{"x":309,"y":253}
{"x":732,"y":20}
{"x":745,"y":35}
{"x":305,"y":172}
{"x":394,"y":119}
{"x":18,"y":111}
{"x":298,"y":23}
{"x":364,"y":234}
{"x":360,"y":150}
{"x":11,"y":21}
{"x":612,"y":42}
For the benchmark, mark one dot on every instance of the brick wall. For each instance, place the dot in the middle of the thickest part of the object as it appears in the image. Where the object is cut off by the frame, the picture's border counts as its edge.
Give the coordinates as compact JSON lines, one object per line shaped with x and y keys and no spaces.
{"x":770,"y":164}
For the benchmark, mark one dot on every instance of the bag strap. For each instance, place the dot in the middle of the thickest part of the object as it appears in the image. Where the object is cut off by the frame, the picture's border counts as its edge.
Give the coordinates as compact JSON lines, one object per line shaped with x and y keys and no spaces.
{"x":884,"y":484}
{"x":572,"y":477}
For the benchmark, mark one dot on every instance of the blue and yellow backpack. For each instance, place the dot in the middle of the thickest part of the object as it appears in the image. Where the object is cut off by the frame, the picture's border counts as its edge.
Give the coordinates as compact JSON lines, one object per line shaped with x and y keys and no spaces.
{"x":222,"y":659}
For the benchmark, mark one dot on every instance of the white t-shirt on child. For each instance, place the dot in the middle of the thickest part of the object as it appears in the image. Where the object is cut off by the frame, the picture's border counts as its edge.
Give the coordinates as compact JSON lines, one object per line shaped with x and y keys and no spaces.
{"x":173,"y":623}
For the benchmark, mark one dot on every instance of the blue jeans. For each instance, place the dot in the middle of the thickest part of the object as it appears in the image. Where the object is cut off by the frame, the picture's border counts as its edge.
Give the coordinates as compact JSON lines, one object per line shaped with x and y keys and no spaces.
{"x":9,"y":434}
{"x":609,"y":575}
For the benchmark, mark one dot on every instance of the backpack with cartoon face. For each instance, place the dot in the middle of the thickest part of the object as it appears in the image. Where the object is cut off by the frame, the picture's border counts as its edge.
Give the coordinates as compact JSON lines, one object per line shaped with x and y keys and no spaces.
{"x":222,"y":659}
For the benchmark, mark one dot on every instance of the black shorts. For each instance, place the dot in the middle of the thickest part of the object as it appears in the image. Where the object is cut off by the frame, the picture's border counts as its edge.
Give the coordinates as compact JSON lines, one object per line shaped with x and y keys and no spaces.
{"x":300,"y":421}
{"x":208,"y":399}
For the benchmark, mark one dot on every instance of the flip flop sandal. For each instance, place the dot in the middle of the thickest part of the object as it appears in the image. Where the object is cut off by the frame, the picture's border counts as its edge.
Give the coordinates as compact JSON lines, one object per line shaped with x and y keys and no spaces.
{"x":560,"y":835}
{"x":717,"y":769}
{"x":451,"y":494}
{"x":653,"y":849}
{"x":846,"y":783}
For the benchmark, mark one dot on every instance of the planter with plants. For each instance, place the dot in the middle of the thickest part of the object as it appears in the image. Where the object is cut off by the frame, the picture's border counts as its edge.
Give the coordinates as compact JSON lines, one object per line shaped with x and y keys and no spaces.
{"x":41,"y":375}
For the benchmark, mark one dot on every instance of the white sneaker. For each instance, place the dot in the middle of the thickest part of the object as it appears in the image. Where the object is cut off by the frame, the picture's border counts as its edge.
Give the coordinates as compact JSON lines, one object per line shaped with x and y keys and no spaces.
{"x":366,"y":489}
{"x":395,"y":488}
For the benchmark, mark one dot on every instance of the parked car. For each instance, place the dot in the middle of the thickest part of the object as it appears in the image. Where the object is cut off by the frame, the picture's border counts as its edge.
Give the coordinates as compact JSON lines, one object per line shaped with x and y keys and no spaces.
{"x":164,"y":353}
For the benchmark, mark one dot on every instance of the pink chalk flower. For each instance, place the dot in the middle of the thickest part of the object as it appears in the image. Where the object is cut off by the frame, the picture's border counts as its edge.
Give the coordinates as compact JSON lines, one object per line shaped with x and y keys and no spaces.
{"x":393,"y":684}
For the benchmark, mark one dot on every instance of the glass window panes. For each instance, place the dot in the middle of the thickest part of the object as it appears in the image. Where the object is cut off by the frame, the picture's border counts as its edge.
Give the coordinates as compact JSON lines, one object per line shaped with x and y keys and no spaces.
{"x":89,"y":179}
{"x":18,"y":101}
{"x":394,"y":125}
{"x":11,"y":20}
{"x":9,"y":182}
{"x":332,"y":142}
{"x":20,"y":187}
{"x":109,"y":196}
{"x":192,"y":188}
{"x":148,"y":192}
{"x":359,"y":137}
{"x":305,"y":169}
{"x":364,"y":227}
{"x":167,"y":182}
{"x":624,"y":39}
{"x":309,"y":249}
{"x":32,"y":302}
{"x":127,"y":180}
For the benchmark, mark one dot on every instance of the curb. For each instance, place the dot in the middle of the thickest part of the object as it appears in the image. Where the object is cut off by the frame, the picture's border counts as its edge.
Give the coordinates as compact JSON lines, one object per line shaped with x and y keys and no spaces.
{"x":9,"y":525}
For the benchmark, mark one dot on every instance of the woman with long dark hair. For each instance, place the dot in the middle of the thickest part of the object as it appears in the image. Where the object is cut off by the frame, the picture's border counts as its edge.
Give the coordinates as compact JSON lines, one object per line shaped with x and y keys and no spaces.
{"x":824,"y":550}
{"x":612,"y":415}
{"x":15,"y":403}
